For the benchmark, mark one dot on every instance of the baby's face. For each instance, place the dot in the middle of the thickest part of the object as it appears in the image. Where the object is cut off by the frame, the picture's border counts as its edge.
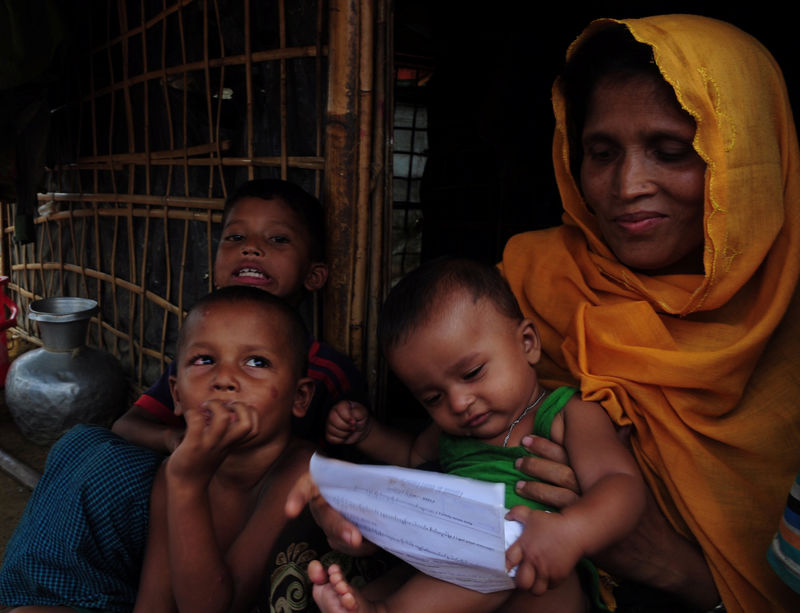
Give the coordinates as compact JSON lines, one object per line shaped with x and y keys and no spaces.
{"x":238,"y":353}
{"x":265,"y":245}
{"x":471,"y":367}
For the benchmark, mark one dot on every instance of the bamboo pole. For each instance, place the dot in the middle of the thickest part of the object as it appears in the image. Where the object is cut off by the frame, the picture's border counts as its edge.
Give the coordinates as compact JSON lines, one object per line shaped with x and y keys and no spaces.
{"x":362,"y":243}
{"x":255,"y":57}
{"x":380,"y":218}
{"x":249,"y":85}
{"x":341,"y":145}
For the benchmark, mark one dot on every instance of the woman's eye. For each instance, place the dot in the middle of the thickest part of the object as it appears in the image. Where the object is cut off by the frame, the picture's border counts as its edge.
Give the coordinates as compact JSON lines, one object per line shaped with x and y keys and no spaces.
{"x":257,"y":361}
{"x":201,"y":360}
{"x":599,"y":154}
{"x":674,"y":155}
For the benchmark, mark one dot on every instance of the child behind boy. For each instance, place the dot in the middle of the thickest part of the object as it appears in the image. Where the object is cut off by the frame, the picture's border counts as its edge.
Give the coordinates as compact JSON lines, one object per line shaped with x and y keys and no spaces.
{"x":273,"y":238}
{"x":217,"y":502}
{"x":453,"y":333}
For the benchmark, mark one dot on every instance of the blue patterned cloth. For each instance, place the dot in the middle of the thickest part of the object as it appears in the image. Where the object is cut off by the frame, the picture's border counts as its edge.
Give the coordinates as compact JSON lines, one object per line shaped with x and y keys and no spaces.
{"x":81,"y":539}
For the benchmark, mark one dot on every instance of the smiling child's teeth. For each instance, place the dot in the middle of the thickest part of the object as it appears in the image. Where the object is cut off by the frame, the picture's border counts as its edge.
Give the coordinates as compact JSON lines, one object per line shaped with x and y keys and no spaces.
{"x":249,"y":272}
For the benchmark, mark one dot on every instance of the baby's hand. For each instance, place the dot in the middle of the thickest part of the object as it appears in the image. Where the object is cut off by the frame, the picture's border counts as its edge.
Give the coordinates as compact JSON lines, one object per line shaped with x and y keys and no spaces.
{"x":546,"y":552}
{"x":348,"y":423}
{"x":211,"y":432}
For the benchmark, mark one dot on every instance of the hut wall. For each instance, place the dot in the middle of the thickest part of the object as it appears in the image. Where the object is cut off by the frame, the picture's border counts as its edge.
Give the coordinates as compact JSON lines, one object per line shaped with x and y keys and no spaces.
{"x":173,"y":103}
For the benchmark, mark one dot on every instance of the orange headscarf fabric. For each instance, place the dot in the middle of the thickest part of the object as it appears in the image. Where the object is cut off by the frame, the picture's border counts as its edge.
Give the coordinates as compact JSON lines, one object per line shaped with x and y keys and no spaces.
{"x":705,"y":367}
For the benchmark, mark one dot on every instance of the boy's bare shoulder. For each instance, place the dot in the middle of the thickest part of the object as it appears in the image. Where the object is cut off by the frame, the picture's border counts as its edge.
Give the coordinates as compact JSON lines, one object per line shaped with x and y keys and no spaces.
{"x":291,"y":464}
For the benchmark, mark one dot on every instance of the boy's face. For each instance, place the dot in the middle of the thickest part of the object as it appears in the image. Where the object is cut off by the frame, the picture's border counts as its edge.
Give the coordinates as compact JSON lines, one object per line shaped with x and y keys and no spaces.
{"x":265,"y":244}
{"x":240,"y":353}
{"x":471,"y":367}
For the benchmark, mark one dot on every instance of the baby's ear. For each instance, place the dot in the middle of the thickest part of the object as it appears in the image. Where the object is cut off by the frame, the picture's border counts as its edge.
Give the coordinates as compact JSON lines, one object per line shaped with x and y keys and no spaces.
{"x":303,"y":394}
{"x":316,"y":277}
{"x":531,"y":343}
{"x":176,"y":399}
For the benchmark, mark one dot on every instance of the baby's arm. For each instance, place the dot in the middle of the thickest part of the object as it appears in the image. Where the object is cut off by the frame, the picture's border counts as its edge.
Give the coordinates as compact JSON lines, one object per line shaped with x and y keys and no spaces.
{"x":350,"y":423}
{"x":612,"y":503}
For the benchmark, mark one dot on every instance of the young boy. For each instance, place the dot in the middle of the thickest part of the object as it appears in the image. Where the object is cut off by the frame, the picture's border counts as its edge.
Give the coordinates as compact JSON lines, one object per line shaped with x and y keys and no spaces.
{"x":217,"y":501}
{"x":453,"y":333}
{"x":273,"y":238}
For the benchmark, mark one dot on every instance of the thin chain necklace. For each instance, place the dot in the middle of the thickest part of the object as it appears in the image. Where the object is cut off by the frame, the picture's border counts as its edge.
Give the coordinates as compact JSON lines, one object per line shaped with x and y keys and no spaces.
{"x":521,"y":417}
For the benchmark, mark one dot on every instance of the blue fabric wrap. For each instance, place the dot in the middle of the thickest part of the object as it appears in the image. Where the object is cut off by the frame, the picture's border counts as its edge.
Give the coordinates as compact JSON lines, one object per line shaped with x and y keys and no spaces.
{"x":89,"y":553}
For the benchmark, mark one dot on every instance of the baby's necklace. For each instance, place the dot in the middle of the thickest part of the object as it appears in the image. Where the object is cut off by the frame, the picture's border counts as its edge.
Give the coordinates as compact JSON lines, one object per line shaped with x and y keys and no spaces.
{"x":521,"y":417}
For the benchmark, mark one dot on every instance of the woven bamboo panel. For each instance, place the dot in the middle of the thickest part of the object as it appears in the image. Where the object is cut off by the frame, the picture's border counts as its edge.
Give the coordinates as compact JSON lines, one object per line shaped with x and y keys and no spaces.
{"x":179,"y":101}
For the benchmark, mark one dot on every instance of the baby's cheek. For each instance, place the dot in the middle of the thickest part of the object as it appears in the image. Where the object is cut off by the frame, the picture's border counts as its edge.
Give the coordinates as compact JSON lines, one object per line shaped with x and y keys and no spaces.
{"x":273,"y":392}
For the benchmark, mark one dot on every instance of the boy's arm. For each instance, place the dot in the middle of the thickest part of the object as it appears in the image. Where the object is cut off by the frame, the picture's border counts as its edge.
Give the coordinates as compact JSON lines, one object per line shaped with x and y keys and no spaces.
{"x":200,"y":578}
{"x":155,"y":589}
{"x":141,"y":427}
{"x":248,"y":558}
{"x":151,"y":421}
{"x":612,"y":503}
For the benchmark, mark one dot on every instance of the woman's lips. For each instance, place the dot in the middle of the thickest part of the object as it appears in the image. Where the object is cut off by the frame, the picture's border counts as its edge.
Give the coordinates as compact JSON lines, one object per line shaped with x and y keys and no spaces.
{"x":639,"y":222}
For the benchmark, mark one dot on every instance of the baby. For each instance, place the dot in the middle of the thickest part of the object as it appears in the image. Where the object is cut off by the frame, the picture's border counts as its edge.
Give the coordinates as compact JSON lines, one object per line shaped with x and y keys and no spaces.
{"x":454,"y":335}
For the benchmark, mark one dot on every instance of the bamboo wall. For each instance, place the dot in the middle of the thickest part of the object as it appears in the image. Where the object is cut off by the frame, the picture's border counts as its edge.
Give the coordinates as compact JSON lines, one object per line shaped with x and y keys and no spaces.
{"x":180,"y":101}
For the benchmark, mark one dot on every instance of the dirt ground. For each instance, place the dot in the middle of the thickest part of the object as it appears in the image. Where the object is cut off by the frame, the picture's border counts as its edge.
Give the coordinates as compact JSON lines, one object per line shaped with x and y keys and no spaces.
{"x":13,"y":495}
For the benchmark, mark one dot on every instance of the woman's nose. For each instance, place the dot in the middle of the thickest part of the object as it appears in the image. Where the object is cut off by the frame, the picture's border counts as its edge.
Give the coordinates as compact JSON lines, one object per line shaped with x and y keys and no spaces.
{"x":634,"y":177}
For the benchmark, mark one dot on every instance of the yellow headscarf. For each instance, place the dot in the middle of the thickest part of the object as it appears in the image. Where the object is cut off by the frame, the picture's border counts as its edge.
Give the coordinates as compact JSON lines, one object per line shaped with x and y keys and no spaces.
{"x":706,"y":368}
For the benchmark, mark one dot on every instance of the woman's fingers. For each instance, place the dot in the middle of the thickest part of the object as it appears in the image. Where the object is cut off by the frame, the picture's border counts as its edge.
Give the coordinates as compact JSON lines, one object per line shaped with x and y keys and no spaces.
{"x":300,"y":495}
{"x":546,"y":449}
{"x":342,"y":535}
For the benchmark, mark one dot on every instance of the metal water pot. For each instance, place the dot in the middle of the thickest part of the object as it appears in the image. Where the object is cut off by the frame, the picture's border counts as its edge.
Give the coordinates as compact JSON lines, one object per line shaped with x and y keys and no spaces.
{"x":64,"y":383}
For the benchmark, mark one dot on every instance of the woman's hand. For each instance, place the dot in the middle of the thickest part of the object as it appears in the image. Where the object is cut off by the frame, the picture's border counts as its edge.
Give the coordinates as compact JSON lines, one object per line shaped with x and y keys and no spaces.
{"x":656,"y":555}
{"x":342,"y":535}
{"x":557,"y":486}
{"x":653,"y":554}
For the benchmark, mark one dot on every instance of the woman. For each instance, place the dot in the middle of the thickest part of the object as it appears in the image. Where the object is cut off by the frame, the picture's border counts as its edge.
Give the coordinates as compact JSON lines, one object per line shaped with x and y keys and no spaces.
{"x":669,"y":292}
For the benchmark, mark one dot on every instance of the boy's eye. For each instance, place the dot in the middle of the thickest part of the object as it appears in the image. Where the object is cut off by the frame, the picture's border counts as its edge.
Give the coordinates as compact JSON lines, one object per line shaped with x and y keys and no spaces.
{"x":431,"y":400}
{"x":280,"y":239}
{"x":233,"y":237}
{"x":201,"y":360}
{"x":473,"y":373}
{"x":257,"y":361}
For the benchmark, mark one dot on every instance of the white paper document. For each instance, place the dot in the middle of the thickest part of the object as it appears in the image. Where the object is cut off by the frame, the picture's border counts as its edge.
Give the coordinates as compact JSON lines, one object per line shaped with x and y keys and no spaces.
{"x":448,"y":527}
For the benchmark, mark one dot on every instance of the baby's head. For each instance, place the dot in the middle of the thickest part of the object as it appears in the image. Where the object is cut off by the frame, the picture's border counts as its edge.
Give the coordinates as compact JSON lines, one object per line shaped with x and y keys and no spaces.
{"x":273,"y":238}
{"x":453,"y":333}
{"x":241,"y":344}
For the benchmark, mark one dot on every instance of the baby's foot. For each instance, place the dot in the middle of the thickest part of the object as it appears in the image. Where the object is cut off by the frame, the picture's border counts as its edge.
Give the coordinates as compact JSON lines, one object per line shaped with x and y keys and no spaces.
{"x":331,"y":592}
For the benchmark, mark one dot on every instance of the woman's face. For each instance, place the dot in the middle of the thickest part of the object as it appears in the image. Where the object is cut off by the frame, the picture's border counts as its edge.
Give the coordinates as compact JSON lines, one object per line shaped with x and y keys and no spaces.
{"x":641,"y":176}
